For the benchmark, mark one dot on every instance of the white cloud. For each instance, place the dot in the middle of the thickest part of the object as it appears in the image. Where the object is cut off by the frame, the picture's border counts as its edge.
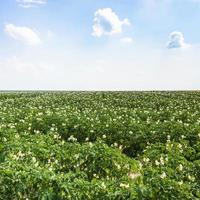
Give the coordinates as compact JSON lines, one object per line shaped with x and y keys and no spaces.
{"x":176,"y":40}
{"x":106,"y":22}
{"x":24,"y":73}
{"x":116,"y":67}
{"x":17,"y":65}
{"x":31,"y":3}
{"x":127,"y":40}
{"x":24,"y":34}
{"x":20,"y":65}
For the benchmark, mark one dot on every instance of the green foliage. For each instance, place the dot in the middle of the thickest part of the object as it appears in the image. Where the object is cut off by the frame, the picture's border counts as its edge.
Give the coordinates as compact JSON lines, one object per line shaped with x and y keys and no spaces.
{"x":100,"y":145}
{"x":46,"y":167}
{"x":168,"y":173}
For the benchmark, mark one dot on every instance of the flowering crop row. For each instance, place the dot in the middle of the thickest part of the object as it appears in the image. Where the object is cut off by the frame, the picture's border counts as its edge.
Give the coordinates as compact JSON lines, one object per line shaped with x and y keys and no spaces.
{"x":100,"y":145}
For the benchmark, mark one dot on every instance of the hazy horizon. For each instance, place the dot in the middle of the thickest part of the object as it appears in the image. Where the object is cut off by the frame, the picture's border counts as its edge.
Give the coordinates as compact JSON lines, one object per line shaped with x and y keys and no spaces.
{"x":132,"y":45}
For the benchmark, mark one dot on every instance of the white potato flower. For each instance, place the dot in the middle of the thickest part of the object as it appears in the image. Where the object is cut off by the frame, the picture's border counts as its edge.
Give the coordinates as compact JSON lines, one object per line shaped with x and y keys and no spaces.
{"x":157,"y":163}
{"x":163,"y":175}
{"x":124,"y":185}
{"x":180,"y":167}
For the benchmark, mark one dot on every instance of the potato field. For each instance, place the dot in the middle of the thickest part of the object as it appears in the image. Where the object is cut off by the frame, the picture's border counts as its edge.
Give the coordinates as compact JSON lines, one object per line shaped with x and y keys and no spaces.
{"x":100,"y":145}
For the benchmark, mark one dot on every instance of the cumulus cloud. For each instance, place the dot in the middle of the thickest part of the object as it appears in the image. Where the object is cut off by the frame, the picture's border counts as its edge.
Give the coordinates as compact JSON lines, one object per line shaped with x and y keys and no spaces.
{"x":31,"y":3}
{"x":127,"y":40}
{"x":176,"y":40}
{"x":106,"y":22}
{"x":24,"y":34}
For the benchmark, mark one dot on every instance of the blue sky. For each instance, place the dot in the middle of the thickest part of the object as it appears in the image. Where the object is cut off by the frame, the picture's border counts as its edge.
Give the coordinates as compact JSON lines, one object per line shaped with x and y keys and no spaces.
{"x":99,"y":44}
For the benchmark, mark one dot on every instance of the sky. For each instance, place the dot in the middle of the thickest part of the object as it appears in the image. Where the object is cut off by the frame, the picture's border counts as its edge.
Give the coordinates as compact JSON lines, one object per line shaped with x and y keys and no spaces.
{"x":99,"y":44}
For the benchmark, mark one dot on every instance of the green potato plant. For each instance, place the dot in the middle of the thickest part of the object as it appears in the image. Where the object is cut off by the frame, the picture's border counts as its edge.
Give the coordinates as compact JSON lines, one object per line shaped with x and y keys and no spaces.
{"x":100,"y":145}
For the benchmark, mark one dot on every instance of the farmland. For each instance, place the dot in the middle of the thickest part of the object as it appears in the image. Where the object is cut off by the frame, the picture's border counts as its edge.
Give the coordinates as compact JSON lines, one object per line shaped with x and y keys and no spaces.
{"x":100,"y":145}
